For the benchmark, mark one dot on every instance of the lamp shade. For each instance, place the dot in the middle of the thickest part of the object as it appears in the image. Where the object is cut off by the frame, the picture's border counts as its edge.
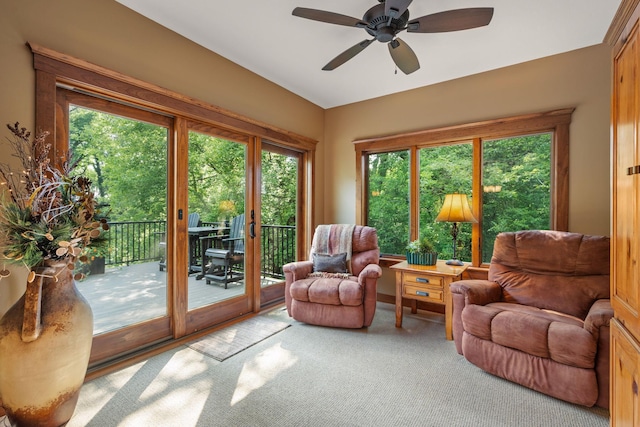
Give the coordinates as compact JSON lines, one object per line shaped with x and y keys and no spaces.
{"x":456,"y":209}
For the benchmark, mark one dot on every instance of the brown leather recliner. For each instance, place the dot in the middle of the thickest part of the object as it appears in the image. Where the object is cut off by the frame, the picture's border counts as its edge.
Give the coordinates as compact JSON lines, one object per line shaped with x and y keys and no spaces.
{"x":338,"y":300}
{"x":542,"y":318}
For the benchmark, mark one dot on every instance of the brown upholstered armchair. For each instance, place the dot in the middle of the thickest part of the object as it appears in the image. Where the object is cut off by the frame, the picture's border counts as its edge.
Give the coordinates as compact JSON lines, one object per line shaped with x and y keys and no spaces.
{"x":542,"y":318}
{"x":332,"y":298}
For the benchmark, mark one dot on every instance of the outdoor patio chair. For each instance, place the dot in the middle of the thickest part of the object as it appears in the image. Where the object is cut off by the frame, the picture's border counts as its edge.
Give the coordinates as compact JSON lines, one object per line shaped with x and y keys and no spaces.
{"x":193,"y":221}
{"x":223,"y":253}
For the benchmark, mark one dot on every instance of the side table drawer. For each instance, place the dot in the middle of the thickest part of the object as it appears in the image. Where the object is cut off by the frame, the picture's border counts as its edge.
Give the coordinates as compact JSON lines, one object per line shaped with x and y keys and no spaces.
{"x":421,"y":280}
{"x":422,"y":293}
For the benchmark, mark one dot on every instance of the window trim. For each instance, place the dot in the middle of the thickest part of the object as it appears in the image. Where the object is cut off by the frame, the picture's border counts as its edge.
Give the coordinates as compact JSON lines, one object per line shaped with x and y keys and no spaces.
{"x":556,"y":122}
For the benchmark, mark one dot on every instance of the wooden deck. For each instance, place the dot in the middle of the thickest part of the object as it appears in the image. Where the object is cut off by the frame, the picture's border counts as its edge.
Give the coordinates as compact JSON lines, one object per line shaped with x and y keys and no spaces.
{"x":131,"y":294}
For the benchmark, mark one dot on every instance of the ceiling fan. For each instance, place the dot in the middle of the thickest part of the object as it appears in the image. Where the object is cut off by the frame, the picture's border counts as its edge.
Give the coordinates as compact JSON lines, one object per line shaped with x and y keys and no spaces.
{"x":385,"y":20}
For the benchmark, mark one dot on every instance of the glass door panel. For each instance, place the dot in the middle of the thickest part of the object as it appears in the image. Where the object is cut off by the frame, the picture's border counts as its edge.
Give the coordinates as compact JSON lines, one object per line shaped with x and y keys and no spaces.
{"x":126,"y":159}
{"x":216,"y":187}
{"x":279,"y":194}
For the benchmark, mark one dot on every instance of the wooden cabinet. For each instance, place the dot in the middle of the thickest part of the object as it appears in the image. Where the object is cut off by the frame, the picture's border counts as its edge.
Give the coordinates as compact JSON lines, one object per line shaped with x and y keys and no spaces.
{"x":626,"y":174}
{"x":625,"y":243}
{"x":625,"y":377}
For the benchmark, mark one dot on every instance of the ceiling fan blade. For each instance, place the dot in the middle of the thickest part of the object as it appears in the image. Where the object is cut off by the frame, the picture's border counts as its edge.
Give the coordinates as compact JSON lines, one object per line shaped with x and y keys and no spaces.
{"x":451,"y":20}
{"x":330,"y":17}
{"x":395,"y":8}
{"x":403,"y":56}
{"x":347,"y":55}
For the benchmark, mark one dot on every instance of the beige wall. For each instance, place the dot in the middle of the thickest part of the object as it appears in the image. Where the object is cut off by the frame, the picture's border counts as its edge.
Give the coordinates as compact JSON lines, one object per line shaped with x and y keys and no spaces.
{"x":110,"y":35}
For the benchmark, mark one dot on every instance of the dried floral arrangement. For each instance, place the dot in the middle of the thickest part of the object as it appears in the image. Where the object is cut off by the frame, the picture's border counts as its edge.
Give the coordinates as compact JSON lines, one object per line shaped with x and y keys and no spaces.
{"x":46,"y":213}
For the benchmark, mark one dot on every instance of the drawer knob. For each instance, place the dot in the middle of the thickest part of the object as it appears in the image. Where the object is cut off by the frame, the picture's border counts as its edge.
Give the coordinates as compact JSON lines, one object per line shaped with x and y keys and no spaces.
{"x":422,"y":293}
{"x":422,"y":280}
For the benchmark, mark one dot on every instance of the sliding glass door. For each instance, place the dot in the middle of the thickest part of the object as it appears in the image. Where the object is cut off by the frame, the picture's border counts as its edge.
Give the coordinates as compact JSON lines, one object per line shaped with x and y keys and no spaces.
{"x":202,"y":219}
{"x":280,"y":209}
{"x":216,"y":176}
{"x":124,"y":151}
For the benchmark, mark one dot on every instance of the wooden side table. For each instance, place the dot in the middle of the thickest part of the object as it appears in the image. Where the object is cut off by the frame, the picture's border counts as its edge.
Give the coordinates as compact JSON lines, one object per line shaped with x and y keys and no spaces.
{"x":429,"y":283}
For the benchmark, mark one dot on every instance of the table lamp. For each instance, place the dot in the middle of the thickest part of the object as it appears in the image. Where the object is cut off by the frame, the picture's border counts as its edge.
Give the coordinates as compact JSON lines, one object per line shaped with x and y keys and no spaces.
{"x":455,"y":209}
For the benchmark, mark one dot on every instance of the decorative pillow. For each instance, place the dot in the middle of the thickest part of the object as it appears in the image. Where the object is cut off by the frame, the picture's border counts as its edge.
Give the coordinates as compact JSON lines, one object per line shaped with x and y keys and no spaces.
{"x":330,"y":263}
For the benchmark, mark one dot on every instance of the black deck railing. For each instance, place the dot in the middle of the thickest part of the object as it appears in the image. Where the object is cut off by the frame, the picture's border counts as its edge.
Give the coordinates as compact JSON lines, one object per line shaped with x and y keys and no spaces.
{"x":132,"y":242}
{"x":278,"y":248}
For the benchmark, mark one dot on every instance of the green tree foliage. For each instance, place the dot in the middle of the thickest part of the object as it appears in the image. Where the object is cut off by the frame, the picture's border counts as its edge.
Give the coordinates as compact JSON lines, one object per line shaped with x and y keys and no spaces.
{"x":279,"y":188}
{"x":216,"y":177}
{"x":519,"y":166}
{"x":445,"y":170}
{"x":126,"y":160}
{"x":389,"y":200}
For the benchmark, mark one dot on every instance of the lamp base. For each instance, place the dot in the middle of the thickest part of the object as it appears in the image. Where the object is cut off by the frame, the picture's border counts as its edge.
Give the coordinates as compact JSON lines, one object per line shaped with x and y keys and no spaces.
{"x":454,"y":262}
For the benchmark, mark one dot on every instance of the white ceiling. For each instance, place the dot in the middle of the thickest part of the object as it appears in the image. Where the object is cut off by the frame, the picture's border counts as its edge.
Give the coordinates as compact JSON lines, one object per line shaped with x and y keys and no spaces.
{"x":265,"y":38}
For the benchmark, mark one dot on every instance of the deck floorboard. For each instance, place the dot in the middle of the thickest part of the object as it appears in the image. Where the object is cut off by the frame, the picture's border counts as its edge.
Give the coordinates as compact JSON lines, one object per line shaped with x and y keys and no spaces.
{"x":127,"y":295}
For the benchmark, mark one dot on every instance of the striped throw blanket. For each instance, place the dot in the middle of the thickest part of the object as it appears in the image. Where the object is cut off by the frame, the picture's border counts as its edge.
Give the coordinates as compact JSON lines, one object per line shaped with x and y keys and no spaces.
{"x":333,"y":239}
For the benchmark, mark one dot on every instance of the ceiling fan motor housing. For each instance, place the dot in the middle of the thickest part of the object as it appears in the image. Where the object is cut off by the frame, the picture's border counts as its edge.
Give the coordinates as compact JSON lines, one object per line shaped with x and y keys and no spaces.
{"x":383,"y":27}
{"x":384,"y":21}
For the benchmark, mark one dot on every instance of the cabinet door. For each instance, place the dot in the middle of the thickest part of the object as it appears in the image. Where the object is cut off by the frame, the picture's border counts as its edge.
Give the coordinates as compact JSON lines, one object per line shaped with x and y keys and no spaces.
{"x":625,"y":377}
{"x":625,"y":250}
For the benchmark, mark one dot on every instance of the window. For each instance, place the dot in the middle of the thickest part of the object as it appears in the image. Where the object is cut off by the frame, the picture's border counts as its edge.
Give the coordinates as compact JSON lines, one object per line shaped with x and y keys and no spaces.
{"x":389,"y":199}
{"x":516,"y":186}
{"x":444,"y":169}
{"x":514,"y":171}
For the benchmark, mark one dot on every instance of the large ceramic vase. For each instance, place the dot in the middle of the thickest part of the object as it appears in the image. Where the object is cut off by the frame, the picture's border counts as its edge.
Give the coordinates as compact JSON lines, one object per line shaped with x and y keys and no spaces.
{"x":45,"y":342}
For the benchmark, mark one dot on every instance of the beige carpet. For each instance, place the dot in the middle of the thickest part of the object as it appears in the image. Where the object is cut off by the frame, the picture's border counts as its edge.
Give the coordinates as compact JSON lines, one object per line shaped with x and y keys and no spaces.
{"x":313,"y":376}
{"x":231,"y":340}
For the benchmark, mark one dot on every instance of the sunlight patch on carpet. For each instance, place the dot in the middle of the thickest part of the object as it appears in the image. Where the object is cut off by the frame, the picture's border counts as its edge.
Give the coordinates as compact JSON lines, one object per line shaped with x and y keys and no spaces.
{"x":261,"y":369}
{"x":231,"y":340}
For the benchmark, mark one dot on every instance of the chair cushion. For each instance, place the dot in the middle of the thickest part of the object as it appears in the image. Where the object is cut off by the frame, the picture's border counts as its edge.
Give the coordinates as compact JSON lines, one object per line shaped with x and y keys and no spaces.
{"x":330,"y":263}
{"x":538,"y":332}
{"x":330,"y":291}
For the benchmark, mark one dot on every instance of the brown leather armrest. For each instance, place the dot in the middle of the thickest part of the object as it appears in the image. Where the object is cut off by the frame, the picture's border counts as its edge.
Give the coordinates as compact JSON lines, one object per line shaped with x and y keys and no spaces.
{"x":599,"y":315}
{"x":480,"y":292}
{"x":371,"y":271}
{"x":298,"y":270}
{"x":294,"y":271}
